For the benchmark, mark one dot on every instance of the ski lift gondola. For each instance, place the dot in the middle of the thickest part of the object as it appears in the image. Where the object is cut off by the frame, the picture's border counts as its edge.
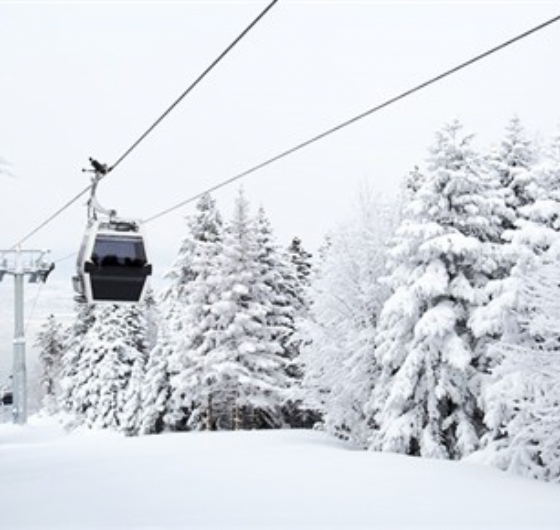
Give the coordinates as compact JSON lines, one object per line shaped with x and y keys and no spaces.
{"x":112,"y":264}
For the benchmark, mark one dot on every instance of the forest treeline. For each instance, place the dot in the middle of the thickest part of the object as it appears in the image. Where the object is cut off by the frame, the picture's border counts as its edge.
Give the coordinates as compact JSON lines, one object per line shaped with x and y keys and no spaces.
{"x":428,"y":326}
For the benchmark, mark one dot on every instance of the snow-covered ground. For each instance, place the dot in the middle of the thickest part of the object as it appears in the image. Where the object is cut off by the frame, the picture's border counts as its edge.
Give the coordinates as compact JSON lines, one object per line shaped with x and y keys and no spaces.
{"x":266,"y":479}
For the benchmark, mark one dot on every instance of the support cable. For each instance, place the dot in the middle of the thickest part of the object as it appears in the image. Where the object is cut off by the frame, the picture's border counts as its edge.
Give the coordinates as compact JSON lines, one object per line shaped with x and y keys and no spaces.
{"x":359,"y":117}
{"x":310,"y":141}
{"x":154,"y":125}
{"x":51,"y":218}
{"x":193,"y":85}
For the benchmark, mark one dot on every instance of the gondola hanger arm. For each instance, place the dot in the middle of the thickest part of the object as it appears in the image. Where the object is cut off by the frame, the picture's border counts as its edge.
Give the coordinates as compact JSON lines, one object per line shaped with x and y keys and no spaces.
{"x":98,"y":171}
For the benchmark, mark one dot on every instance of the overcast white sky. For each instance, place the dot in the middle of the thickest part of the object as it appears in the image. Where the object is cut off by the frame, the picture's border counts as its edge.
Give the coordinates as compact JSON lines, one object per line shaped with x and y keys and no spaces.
{"x":80,"y":79}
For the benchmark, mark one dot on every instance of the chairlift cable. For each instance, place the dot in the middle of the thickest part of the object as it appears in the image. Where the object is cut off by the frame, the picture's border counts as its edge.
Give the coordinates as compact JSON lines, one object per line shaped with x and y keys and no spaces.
{"x":306,"y":143}
{"x":193,"y":85}
{"x":51,"y":218}
{"x":68,"y":256}
{"x":153,"y":126}
{"x":359,"y":117}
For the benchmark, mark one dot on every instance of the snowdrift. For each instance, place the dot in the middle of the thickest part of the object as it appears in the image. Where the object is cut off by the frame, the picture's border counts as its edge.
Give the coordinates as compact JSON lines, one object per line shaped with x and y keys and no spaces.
{"x":252,"y":479}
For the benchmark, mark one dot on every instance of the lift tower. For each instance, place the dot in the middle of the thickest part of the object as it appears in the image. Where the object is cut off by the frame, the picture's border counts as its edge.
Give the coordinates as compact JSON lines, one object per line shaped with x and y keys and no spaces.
{"x":19,"y":263}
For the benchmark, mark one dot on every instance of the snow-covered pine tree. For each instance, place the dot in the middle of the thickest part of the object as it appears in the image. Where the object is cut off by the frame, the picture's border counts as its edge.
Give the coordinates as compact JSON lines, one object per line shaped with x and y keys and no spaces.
{"x":286,"y":275}
{"x":301,"y":260}
{"x":346,"y":299}
{"x":510,"y":408}
{"x":152,"y":316}
{"x":106,"y":355}
{"x":158,"y":411}
{"x":135,"y":355}
{"x":511,"y":164}
{"x":132,"y":408}
{"x":425,"y":400}
{"x":70,"y":376}
{"x":156,"y":386}
{"x":193,"y":323}
{"x":51,"y":341}
{"x":513,"y":161}
{"x":245,"y":376}
{"x":538,"y":223}
{"x":530,"y":229}
{"x":522,"y":410}
{"x":163,"y":401}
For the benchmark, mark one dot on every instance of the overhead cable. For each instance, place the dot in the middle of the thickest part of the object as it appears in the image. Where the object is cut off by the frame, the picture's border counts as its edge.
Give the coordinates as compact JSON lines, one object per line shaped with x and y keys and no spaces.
{"x":193,"y":85}
{"x":306,"y":143}
{"x":51,"y":218}
{"x":154,"y":125}
{"x":359,"y":117}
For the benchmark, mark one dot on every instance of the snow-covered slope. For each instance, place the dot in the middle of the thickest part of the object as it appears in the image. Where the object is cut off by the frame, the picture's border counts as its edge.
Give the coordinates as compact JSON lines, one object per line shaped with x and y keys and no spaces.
{"x":266,"y":479}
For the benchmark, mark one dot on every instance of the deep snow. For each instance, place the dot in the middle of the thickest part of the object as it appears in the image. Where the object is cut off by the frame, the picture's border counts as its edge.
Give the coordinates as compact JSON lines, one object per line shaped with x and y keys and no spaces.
{"x":265,"y":479}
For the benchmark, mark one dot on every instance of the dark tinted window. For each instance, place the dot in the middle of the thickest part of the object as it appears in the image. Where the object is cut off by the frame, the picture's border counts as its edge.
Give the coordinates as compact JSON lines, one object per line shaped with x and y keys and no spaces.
{"x":118,"y":251}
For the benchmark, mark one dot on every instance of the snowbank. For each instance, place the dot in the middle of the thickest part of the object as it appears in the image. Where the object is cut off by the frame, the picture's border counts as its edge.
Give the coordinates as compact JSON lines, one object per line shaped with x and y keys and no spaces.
{"x":265,"y":479}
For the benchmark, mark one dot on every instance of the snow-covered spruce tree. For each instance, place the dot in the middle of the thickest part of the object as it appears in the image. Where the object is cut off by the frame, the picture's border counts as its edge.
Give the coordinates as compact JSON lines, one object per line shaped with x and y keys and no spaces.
{"x":132,"y":408}
{"x":159,"y":412}
{"x":513,"y":161}
{"x":513,"y":401}
{"x":193,"y":323}
{"x":297,"y":410}
{"x":135,"y":354}
{"x":150,"y":309}
{"x":532,"y":229}
{"x":425,"y":398}
{"x":286,"y":274}
{"x":301,"y":260}
{"x":245,"y":373}
{"x":538,"y":223}
{"x":513,"y":165}
{"x":107,"y":353}
{"x":522,"y":403}
{"x":156,"y":386}
{"x":70,"y":377}
{"x":346,"y":299}
{"x":51,"y":341}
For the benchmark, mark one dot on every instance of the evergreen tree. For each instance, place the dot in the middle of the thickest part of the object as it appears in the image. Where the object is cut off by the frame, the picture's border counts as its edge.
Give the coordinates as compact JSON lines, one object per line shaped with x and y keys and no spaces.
{"x":136,"y":355}
{"x":522,"y":402}
{"x":104,"y":358}
{"x":538,"y":222}
{"x":51,"y":341}
{"x":132,"y":408}
{"x":516,"y":412}
{"x":245,"y":374}
{"x":152,"y":318}
{"x":70,"y":377}
{"x":156,"y":386}
{"x":346,"y":300}
{"x":425,"y":400}
{"x":286,"y":276}
{"x":193,"y":323}
{"x":301,"y":260}
{"x":511,"y":165}
{"x":163,"y":393}
{"x":513,"y":161}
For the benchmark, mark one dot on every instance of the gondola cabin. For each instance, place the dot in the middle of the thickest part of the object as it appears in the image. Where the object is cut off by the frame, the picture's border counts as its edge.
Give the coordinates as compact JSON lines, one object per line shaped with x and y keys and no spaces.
{"x":112,"y":264}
